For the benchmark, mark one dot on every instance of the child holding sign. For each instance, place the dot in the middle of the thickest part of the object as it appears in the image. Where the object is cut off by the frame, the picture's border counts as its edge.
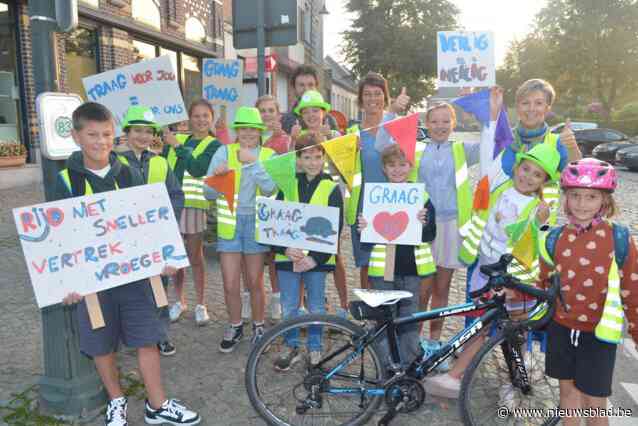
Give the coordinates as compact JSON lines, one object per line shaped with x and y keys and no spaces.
{"x":408,"y":274}
{"x":129,"y":310}
{"x":141,"y":130}
{"x":516,"y":207}
{"x":293,"y":264}
{"x":312,"y":110}
{"x":189,"y":157}
{"x":236,"y":242}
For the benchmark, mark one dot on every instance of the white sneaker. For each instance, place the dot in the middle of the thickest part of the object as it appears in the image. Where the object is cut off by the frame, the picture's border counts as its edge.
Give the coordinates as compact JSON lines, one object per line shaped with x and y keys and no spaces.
{"x":201,"y":315}
{"x":176,"y":311}
{"x":245,"y":305}
{"x":315,"y":357}
{"x":443,"y":385}
{"x":171,"y":412}
{"x":275,"y":306}
{"x":116,"y":412}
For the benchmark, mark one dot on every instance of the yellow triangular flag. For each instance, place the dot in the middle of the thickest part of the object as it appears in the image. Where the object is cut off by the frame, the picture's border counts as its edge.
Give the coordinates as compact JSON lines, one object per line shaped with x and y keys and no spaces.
{"x":343,"y":153}
{"x":524,"y":249}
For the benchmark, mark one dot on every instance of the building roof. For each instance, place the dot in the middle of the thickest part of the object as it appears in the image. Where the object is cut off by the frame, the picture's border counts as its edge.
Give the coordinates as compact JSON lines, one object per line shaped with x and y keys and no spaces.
{"x":341,"y":76}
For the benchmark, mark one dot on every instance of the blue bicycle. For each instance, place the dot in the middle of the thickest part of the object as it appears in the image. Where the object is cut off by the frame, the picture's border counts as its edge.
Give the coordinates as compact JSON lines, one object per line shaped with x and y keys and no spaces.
{"x":351,"y":380}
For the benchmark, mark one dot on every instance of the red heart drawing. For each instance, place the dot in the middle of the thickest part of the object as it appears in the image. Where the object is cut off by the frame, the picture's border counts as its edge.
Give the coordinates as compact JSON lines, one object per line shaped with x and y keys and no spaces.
{"x":390,"y":226}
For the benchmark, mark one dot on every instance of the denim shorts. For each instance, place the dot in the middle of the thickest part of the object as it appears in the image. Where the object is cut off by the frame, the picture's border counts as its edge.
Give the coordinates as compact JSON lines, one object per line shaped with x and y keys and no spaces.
{"x":244,"y":241}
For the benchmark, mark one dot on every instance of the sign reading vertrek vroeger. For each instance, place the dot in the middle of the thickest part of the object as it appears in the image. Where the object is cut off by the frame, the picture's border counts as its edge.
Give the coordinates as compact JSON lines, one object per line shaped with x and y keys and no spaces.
{"x":96,"y":242}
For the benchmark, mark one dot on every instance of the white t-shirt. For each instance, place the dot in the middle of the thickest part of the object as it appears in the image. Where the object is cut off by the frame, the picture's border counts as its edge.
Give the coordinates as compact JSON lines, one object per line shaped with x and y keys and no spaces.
{"x":102,"y":172}
{"x":506,"y":211}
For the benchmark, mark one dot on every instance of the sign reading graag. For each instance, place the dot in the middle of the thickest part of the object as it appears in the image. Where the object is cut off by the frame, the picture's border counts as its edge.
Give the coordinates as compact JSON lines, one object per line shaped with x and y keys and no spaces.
{"x":150,"y":83}
{"x":297,"y":225}
{"x":96,"y":242}
{"x":222,"y":81}
{"x":465,"y":59}
{"x":391,"y":212}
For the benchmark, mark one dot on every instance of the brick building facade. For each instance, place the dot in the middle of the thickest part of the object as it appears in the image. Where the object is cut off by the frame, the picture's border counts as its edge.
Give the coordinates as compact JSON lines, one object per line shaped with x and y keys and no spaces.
{"x":110,"y":34}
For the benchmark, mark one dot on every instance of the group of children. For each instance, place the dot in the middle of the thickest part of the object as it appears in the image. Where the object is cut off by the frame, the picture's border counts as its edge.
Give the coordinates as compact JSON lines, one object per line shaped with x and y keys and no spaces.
{"x":596,"y":279}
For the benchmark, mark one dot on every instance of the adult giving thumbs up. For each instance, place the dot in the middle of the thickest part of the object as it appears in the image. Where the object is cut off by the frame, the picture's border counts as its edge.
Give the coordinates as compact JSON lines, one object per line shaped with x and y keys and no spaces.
{"x":568,"y":140}
{"x":401,"y":102}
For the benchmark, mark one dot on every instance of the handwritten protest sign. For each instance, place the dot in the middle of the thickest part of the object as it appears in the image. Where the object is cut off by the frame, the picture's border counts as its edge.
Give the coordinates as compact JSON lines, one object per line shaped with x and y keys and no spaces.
{"x":298,"y":225}
{"x":96,"y":242}
{"x":222,"y":81}
{"x":391,"y":210}
{"x":465,"y":59}
{"x":151,"y":83}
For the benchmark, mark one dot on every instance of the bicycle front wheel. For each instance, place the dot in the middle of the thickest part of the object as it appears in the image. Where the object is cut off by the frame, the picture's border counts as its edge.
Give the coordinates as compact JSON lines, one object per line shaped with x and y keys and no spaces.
{"x":498,"y":390}
{"x":344,"y":388}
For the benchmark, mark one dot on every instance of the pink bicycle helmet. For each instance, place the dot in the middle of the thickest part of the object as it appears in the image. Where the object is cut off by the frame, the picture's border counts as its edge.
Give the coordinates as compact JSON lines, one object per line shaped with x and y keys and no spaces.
{"x":589,"y":173}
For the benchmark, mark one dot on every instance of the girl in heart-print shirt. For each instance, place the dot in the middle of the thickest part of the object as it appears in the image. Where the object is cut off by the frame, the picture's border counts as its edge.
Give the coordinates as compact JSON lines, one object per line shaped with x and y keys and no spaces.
{"x":583,"y":335}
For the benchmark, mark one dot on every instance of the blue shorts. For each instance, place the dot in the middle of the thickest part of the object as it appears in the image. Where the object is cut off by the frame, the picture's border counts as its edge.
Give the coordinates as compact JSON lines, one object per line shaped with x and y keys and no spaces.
{"x":361,"y":255}
{"x":244,"y":241}
{"x":130,"y":316}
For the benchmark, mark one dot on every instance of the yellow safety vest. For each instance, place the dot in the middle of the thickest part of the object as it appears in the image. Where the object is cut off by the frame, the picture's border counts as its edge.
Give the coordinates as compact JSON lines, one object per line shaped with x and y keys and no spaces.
{"x":157,"y":168}
{"x":320,"y":197}
{"x":227,"y":219}
{"x":422,"y":255}
{"x":193,"y":187}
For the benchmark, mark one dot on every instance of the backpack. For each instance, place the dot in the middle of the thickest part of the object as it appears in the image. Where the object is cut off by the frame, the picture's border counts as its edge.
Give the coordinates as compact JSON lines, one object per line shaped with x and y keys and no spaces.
{"x":621,"y":241}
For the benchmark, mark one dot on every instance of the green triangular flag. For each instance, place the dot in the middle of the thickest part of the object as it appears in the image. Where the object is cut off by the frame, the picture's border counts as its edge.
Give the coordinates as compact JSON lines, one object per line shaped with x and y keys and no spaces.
{"x":281,"y":169}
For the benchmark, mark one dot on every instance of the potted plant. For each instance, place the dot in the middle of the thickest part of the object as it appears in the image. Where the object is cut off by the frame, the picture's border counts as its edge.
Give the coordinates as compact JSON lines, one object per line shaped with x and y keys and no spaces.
{"x":12,"y":154}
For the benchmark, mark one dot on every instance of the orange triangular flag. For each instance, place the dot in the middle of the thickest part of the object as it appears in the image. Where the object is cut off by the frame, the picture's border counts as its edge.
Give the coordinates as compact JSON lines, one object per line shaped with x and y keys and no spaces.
{"x":224,"y":184}
{"x":482,"y":194}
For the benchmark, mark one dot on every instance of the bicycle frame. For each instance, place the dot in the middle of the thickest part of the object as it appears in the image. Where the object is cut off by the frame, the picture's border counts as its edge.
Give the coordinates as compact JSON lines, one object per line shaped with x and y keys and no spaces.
{"x":494,"y":310}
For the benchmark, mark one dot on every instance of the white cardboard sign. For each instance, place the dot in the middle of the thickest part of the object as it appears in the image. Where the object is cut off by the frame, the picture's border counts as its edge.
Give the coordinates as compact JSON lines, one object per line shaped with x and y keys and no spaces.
{"x":391,"y":210}
{"x":150,"y":83}
{"x":222,"y":81}
{"x":298,"y":225}
{"x":96,"y":242}
{"x":465,"y":59}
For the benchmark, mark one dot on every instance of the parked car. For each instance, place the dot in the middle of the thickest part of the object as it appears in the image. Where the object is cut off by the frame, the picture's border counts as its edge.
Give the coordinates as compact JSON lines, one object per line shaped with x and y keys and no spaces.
{"x":575,"y":125}
{"x":624,"y":153}
{"x":607,"y":151}
{"x":422,"y":134}
{"x":589,"y":139}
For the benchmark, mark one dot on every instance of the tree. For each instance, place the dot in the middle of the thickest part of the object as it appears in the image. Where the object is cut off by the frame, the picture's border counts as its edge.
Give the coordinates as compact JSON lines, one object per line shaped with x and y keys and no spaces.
{"x":397,"y":38}
{"x":588,"y":49}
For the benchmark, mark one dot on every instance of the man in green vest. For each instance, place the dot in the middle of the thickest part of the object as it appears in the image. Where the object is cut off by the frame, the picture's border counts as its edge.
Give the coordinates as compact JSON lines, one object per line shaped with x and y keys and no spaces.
{"x":141,"y":130}
{"x":129,"y":311}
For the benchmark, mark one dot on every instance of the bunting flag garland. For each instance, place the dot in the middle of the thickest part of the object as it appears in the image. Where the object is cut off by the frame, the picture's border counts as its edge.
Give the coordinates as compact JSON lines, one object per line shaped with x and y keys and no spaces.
{"x":524,"y":249}
{"x":224,"y":184}
{"x":477,"y":104}
{"x":343,"y":153}
{"x":403,"y":131}
{"x":281,"y":169}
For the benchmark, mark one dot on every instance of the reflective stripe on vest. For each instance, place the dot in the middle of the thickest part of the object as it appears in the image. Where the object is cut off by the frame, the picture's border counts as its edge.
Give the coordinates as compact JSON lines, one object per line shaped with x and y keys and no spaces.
{"x":67,"y":179}
{"x":320,"y":197}
{"x":192,"y":187}
{"x":419,"y":148}
{"x":353,"y":200}
{"x":157,"y":168}
{"x":227,"y":220}
{"x":422,"y":255}
{"x":463,"y":187}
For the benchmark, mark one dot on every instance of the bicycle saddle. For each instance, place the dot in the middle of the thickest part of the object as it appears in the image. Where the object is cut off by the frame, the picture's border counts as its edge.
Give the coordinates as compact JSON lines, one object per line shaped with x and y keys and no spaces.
{"x":499,"y":268}
{"x":374,"y":298}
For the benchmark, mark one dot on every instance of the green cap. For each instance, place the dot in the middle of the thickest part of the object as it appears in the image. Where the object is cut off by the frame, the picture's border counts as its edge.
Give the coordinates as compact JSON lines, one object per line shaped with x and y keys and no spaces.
{"x":545,"y":156}
{"x":138,"y":115}
{"x":312,"y":98}
{"x":248,"y":117}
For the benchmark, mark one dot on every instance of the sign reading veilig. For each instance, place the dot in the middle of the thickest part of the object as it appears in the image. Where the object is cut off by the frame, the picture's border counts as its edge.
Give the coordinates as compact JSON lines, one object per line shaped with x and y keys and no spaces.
{"x":465,"y":59}
{"x":391,"y":212}
{"x":96,"y":242}
{"x":297,"y":225}
{"x":151,"y":83}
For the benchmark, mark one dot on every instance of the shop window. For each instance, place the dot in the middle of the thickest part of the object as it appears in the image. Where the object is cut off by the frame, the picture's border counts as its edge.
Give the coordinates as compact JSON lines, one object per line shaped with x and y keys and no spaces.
{"x":191,"y":79}
{"x":80,"y":59}
{"x":10,"y":120}
{"x":195,"y":30}
{"x":173,"y":57}
{"x":147,"y":12}
{"x":143,"y":51}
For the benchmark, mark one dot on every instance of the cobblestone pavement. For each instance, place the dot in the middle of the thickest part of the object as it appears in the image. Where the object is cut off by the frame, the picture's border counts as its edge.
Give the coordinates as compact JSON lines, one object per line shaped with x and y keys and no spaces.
{"x":198,"y":374}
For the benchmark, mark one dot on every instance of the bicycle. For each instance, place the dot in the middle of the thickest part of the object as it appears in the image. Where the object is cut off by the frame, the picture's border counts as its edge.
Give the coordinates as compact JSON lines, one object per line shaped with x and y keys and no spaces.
{"x":351,"y":380}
